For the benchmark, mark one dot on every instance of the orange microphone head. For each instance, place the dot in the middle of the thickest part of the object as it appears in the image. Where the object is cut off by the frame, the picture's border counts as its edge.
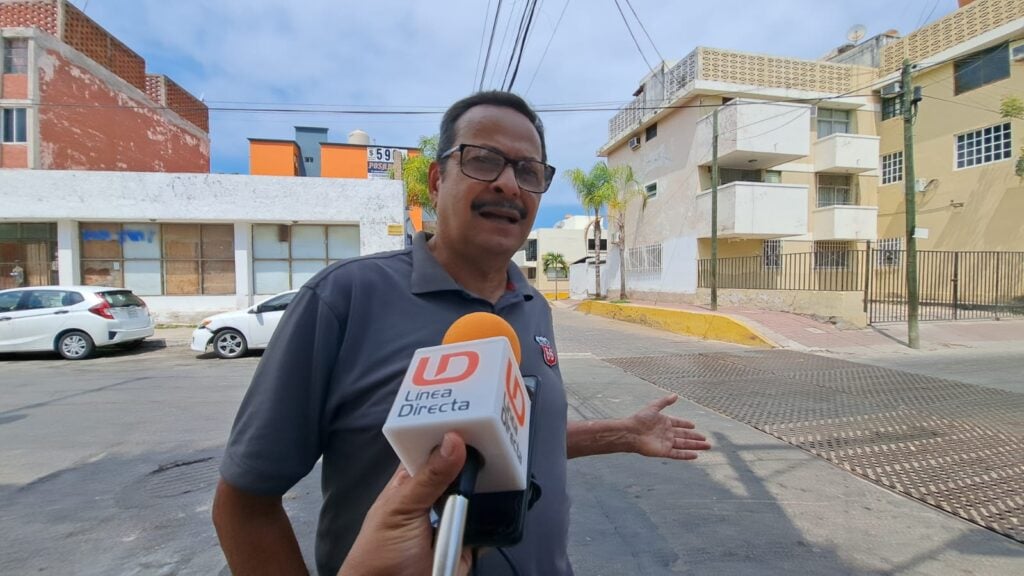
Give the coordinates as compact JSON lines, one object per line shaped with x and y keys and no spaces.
{"x":480,"y":325}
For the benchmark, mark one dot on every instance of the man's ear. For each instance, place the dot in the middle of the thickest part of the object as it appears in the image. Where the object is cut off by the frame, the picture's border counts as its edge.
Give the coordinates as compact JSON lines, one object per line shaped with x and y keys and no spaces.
{"x":434,"y":181}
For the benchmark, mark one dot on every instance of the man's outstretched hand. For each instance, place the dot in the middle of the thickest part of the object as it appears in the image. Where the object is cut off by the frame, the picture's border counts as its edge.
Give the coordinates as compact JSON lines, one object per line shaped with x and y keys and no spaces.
{"x":663,"y":436}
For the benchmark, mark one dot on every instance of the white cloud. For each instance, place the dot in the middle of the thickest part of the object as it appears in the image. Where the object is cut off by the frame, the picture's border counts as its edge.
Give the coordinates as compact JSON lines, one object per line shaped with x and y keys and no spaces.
{"x":416,"y":53}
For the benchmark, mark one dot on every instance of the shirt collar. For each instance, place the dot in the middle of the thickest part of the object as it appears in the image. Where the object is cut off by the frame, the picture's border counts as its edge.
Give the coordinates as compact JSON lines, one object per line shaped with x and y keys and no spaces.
{"x":429,"y":276}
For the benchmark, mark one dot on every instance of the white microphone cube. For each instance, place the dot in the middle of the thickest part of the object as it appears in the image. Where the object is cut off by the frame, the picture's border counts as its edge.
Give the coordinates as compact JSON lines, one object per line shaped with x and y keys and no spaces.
{"x":473,"y":388}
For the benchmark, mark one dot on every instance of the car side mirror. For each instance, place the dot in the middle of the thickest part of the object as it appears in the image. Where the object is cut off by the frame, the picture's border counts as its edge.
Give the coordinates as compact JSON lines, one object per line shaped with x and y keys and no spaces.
{"x":257,"y":310}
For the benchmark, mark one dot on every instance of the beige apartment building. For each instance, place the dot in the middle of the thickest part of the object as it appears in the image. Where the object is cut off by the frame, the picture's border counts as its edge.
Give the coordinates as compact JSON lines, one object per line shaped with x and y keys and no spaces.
{"x":569,"y":237}
{"x":810,"y":156}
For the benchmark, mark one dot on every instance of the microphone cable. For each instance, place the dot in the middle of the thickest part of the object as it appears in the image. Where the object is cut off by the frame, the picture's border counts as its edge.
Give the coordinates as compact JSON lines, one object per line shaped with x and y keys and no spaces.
{"x":504,"y":554}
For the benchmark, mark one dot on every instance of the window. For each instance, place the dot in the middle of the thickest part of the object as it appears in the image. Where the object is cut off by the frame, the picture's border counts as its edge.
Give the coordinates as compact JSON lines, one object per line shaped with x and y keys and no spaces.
{"x":158,"y":259}
{"x":835,"y":190}
{"x":984,"y":146}
{"x":651,"y":133}
{"x":651,"y":189}
{"x":892,"y":107}
{"x":831,"y":121}
{"x":285,"y":257}
{"x":730,"y":175}
{"x":892,"y":168}
{"x":41,"y":299}
{"x":831,"y":255}
{"x":15,"y":55}
{"x":28,"y":254}
{"x":644,"y":262}
{"x":13,"y":125}
{"x":604,"y":244}
{"x":531,"y":250}
{"x":889,"y":252}
{"x":981,"y":68}
{"x":772,"y":177}
{"x":531,"y":273}
{"x":771,"y":251}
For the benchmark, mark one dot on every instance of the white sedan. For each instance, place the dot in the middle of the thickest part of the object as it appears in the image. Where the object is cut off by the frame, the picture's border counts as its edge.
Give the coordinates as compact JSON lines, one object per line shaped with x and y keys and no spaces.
{"x":71,"y":320}
{"x":233,"y":334}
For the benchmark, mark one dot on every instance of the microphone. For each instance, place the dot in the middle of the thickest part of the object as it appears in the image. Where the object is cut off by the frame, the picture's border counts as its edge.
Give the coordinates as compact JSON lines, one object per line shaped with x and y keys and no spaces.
{"x":470,"y":384}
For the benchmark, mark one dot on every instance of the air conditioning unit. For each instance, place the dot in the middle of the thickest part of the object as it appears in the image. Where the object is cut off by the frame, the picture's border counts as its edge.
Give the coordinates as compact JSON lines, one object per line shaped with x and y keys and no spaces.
{"x":921,"y":184}
{"x":634,"y":142}
{"x":890,"y":90}
{"x":1017,"y":53}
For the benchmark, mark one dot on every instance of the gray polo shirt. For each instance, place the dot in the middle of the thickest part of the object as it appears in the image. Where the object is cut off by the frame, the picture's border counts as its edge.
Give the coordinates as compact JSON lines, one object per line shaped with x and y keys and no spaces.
{"x":330,"y":374}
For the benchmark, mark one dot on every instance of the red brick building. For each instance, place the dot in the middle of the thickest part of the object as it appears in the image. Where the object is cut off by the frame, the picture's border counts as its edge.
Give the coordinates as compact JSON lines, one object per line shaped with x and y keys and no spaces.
{"x":73,"y":97}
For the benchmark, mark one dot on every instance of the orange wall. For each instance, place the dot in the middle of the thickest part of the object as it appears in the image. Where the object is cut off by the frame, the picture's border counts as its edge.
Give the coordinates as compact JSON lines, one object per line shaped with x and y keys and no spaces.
{"x":273,"y":158}
{"x":343,"y":161}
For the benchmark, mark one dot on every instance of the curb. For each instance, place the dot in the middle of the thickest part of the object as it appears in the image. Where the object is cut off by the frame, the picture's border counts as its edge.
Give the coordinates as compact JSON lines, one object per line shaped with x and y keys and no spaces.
{"x":704,"y":325}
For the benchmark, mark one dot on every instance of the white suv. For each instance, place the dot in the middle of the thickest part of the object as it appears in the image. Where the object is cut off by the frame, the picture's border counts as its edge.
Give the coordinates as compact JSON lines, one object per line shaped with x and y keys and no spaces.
{"x":72,"y":320}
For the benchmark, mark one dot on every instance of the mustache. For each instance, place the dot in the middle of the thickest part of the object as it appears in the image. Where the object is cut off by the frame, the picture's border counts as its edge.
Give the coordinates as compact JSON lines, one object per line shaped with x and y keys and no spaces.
{"x":478,"y":205}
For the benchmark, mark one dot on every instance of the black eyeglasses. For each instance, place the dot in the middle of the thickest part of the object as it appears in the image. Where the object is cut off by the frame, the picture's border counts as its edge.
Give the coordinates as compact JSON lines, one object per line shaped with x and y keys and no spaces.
{"x":486,"y":165}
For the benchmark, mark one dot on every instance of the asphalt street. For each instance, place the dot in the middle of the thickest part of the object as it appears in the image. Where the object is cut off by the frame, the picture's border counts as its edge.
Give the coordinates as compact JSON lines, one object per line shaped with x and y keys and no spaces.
{"x":109,"y":465}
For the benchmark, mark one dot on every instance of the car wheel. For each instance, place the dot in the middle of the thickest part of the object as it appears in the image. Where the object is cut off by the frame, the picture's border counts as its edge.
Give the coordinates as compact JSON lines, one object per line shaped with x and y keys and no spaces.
{"x":230,"y":344}
{"x":75,"y":345}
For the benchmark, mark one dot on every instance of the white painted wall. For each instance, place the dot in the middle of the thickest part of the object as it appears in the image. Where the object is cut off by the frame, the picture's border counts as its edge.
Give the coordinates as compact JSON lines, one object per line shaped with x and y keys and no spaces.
{"x":846,"y":153}
{"x":678,"y":270}
{"x":70,"y":197}
{"x":845,"y":223}
{"x":755,"y":210}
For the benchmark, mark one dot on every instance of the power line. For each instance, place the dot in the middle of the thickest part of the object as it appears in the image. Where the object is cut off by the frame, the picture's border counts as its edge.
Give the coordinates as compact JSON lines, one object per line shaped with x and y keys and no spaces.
{"x":644,"y":28}
{"x":522,"y":46}
{"x":542,"y":56}
{"x":483,"y":36}
{"x":504,"y":38}
{"x":487,"y":59}
{"x":631,"y":35}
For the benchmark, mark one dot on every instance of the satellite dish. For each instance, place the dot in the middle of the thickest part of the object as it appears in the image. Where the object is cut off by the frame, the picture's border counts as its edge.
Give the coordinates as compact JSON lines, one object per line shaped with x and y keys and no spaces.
{"x":855,"y":33}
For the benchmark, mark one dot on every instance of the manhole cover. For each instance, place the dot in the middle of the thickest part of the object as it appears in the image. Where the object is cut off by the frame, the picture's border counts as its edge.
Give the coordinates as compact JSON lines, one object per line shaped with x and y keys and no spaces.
{"x":952,"y":445}
{"x":181,"y":477}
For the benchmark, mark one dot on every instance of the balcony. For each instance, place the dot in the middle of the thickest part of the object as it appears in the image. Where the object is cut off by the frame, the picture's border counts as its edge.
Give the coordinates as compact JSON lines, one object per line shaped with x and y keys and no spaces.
{"x":845,"y":223}
{"x":846,"y":154}
{"x":755,"y":210}
{"x":756,"y":135}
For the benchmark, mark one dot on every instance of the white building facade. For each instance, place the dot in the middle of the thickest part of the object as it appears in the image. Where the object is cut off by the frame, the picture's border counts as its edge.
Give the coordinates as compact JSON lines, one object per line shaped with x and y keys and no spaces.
{"x":192,"y":244}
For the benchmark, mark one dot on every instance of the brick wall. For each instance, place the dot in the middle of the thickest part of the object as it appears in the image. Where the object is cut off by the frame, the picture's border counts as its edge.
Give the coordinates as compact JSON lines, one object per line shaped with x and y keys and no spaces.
{"x":40,"y":14}
{"x":186,"y":105}
{"x":84,"y":35}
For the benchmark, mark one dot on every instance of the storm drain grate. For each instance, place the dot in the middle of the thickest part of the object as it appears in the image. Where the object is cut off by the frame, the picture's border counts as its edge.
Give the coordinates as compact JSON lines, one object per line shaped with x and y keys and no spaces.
{"x":181,"y":477}
{"x":954,"y":446}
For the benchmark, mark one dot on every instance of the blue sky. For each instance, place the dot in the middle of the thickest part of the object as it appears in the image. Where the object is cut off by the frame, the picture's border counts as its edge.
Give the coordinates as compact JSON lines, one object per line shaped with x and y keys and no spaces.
{"x":415,"y":54}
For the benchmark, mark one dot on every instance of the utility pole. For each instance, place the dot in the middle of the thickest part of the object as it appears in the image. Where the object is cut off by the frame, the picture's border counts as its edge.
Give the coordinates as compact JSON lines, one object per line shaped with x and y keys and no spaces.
{"x":910,"y":188}
{"x":714,"y":209}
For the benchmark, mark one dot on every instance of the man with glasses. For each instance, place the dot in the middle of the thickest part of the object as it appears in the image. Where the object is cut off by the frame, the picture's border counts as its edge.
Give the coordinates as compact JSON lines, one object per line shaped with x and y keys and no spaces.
{"x":328,"y":378}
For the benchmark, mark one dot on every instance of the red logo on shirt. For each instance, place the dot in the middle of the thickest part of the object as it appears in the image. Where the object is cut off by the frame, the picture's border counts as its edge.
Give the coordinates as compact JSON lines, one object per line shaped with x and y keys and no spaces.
{"x":549,"y":351}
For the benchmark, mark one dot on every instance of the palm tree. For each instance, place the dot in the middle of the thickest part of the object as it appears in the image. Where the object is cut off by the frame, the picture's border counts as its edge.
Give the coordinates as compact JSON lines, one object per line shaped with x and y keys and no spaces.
{"x":555,"y":262}
{"x":415,"y":174}
{"x":555,"y":267}
{"x":626,"y":189}
{"x":594,"y":189}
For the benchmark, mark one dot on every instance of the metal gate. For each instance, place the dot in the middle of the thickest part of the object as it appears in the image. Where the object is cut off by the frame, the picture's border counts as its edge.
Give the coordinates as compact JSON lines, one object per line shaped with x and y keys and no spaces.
{"x":951,"y":285}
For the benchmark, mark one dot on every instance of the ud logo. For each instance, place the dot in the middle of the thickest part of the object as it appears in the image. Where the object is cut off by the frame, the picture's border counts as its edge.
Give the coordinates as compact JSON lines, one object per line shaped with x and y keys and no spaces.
{"x":516,"y":393}
{"x":451,"y":367}
{"x":549,"y":351}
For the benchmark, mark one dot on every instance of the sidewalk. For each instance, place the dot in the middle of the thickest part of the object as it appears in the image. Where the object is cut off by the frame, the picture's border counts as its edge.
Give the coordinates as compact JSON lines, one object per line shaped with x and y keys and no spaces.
{"x":797,"y":332}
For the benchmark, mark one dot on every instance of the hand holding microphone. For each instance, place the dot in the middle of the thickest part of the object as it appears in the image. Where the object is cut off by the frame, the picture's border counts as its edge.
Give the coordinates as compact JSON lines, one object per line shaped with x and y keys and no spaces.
{"x":396,"y":536}
{"x":471,"y":384}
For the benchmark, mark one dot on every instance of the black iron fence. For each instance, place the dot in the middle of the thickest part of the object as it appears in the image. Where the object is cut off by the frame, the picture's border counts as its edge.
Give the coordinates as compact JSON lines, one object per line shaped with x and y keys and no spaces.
{"x":952,"y":285}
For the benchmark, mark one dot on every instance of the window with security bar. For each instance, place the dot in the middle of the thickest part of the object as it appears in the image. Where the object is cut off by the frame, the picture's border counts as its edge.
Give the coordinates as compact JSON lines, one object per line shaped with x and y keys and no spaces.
{"x":892,"y":168}
{"x":835,"y":190}
{"x":889,"y":252}
{"x":981,"y":68}
{"x":984,"y":146}
{"x":892,"y":107}
{"x":644,"y":261}
{"x":771,"y":251}
{"x":829,"y":255}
